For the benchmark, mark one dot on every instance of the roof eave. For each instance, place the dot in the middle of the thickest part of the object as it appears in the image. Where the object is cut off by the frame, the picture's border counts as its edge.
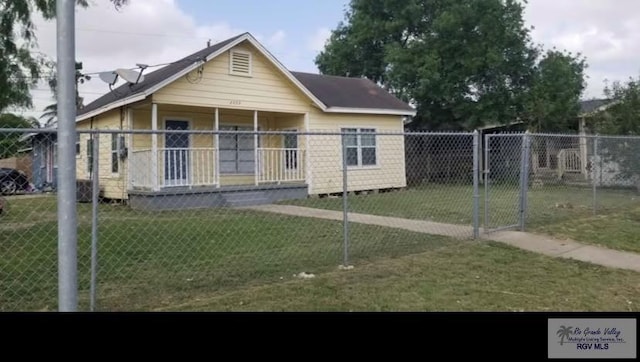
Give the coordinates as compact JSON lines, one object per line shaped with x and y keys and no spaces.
{"x":394,"y":112}
{"x":119,"y":103}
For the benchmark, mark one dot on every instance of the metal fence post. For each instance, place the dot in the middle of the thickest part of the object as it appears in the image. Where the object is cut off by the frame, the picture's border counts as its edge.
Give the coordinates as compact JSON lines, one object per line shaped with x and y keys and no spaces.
{"x":95,"y":191}
{"x":66,"y":95}
{"x":525,"y":192}
{"x":476,"y":193}
{"x":487,"y":172}
{"x":524,"y":179}
{"x":594,"y":173}
{"x":345,"y":203}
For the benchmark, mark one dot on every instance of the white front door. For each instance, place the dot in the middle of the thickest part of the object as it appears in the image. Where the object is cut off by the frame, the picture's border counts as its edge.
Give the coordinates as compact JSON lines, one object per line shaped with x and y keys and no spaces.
{"x":176,"y":154}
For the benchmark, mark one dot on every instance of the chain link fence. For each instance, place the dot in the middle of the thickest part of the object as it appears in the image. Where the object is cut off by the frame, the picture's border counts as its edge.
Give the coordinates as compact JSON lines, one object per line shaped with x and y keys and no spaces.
{"x":167,"y":217}
{"x":533,"y":180}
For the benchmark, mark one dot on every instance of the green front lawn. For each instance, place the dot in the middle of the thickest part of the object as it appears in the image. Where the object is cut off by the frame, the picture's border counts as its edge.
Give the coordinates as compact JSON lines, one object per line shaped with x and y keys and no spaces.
{"x":617,"y":230}
{"x":231,"y":259}
{"x":152,"y":259}
{"x":459,"y":277}
{"x":454,"y":204}
{"x":561,"y":211}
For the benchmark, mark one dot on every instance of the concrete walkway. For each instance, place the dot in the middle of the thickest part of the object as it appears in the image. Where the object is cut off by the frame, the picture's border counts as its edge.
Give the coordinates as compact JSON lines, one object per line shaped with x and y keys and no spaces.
{"x":567,"y":249}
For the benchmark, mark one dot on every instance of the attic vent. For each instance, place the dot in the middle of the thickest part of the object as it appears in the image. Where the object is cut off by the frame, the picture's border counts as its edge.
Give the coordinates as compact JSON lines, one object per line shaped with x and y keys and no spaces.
{"x":240,"y":63}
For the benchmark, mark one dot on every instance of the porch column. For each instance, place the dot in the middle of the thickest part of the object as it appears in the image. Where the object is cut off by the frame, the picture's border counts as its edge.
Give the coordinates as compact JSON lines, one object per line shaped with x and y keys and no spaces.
{"x":216,"y":140}
{"x":255,"y":146}
{"x":307,"y":148}
{"x":129,"y":145}
{"x":154,"y":147}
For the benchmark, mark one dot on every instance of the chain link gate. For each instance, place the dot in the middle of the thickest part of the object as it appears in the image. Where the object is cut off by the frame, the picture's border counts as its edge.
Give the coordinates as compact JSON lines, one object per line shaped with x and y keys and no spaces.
{"x":506,"y":179}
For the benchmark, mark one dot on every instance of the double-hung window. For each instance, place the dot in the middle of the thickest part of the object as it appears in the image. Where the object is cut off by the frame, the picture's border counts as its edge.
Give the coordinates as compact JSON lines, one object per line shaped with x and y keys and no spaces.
{"x":237,"y":151}
{"x":90,"y":154}
{"x":360,"y":146}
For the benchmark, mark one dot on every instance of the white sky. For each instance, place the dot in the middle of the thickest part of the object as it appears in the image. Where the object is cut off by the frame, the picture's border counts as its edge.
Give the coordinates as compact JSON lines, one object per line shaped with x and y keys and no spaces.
{"x":607,"y":32}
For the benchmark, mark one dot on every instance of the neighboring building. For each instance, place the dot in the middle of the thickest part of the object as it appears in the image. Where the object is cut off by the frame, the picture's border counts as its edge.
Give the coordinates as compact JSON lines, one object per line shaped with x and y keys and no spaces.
{"x":237,"y":85}
{"x":568,"y":157}
{"x":44,"y":160}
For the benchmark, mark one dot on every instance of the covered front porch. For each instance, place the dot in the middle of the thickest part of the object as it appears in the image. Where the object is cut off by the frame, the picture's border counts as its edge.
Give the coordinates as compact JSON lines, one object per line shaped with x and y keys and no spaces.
{"x":233,"y":155}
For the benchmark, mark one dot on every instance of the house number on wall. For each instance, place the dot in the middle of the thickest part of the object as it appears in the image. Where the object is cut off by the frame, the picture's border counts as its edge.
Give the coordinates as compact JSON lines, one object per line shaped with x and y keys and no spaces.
{"x":236,"y":102}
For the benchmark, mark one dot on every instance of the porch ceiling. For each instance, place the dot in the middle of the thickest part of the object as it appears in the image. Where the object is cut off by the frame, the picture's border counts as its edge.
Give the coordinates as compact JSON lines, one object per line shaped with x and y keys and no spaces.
{"x":175,"y":108}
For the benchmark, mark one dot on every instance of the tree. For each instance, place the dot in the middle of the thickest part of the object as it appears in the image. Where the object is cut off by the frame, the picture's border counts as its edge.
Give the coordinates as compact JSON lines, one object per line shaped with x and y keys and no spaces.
{"x":49,"y":114}
{"x":463,"y":63}
{"x":553,"y":102}
{"x":11,"y":143}
{"x":51,"y":111}
{"x":20,"y":67}
{"x":622,"y":118}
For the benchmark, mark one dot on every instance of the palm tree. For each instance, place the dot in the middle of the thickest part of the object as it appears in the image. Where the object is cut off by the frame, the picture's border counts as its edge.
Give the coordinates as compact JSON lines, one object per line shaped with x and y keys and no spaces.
{"x":564,"y":332}
{"x":50,"y":113}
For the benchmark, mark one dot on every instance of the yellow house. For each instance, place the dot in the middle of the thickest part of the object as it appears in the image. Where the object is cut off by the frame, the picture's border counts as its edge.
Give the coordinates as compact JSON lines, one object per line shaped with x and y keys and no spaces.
{"x":216,"y":94}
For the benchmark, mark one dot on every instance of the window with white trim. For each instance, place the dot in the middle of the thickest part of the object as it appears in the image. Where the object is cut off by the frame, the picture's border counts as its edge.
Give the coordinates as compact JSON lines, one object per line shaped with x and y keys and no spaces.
{"x":90,"y":154}
{"x":77,"y":144}
{"x":240,"y":63}
{"x":115,"y":151}
{"x":360,"y":146}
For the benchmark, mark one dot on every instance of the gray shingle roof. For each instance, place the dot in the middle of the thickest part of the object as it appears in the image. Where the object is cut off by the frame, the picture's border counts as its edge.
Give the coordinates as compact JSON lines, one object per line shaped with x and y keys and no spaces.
{"x":347,"y":92}
{"x":331,"y":90}
{"x":592,"y":105}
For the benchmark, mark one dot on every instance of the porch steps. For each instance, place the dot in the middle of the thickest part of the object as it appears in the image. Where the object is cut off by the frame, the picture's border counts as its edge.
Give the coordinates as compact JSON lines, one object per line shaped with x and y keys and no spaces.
{"x":246,"y":198}
{"x":550,"y":177}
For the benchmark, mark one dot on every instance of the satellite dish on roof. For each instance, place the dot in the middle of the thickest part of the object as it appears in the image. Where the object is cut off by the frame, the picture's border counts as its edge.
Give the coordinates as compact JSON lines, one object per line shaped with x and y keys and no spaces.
{"x":108,"y":77}
{"x":130,"y":76}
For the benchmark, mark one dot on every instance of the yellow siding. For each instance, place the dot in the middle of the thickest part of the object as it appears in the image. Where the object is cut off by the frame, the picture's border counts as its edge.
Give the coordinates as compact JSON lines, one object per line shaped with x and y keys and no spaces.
{"x":112,"y":185}
{"x":326,"y":159}
{"x":142,"y":121}
{"x":82,"y":171}
{"x":266,"y":89}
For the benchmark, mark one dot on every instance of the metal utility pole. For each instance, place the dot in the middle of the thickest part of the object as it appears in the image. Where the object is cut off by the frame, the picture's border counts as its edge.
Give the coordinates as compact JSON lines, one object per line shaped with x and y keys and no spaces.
{"x":66,"y":96}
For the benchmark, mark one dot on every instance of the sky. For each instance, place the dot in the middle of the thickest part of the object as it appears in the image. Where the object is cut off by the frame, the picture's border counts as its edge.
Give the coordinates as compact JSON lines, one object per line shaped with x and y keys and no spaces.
{"x":158,"y":31}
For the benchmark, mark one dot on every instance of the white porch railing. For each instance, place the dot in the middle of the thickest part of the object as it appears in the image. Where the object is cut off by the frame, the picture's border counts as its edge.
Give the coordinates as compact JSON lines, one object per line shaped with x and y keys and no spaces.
{"x":277,"y":165}
{"x":569,"y":161}
{"x":197,"y":167}
{"x":176,"y":167}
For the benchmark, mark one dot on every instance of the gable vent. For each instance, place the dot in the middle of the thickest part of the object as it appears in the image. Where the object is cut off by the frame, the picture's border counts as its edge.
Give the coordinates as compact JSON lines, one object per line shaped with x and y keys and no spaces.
{"x":240,"y":63}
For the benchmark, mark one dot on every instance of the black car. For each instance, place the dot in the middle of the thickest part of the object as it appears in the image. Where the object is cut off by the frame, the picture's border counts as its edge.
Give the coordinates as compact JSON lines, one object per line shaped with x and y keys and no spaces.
{"x":12,"y":181}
